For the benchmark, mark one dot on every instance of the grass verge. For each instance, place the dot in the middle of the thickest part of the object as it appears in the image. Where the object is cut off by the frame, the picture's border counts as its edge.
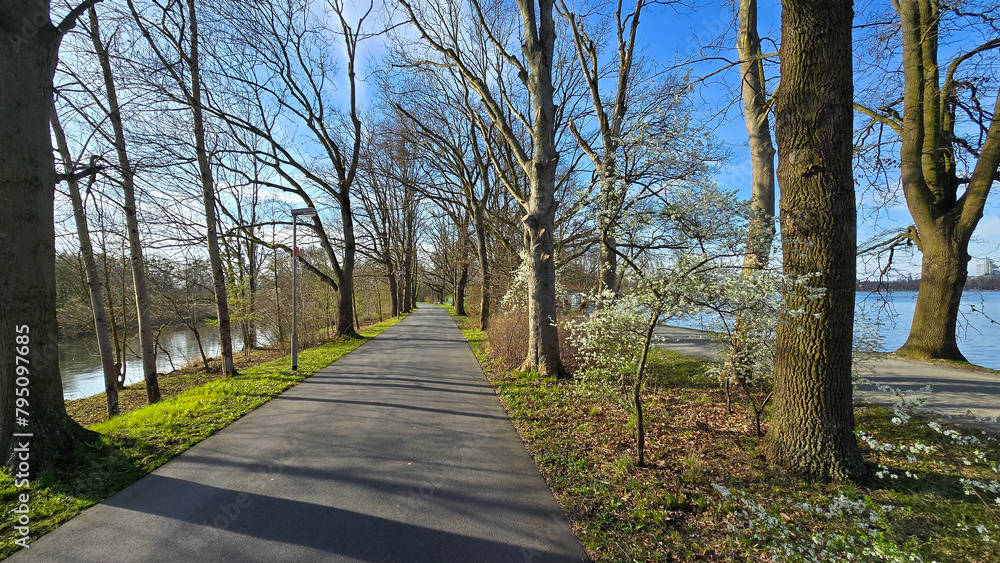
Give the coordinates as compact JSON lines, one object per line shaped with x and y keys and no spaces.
{"x":134,"y":443}
{"x":709,"y":495}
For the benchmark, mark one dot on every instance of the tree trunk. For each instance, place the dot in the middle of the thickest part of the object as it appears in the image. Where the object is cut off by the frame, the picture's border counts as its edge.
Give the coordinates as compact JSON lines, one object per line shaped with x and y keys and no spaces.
{"x":484,"y":266}
{"x":407,"y":298}
{"x":812,"y":423}
{"x":146,"y":341}
{"x":463,"y":280}
{"x":539,"y":221}
{"x":28,"y":327}
{"x":609,"y":258}
{"x":760,"y":231}
{"x":393,"y":289}
{"x":250,"y":339}
{"x":208,"y":195}
{"x":414,"y":280}
{"x":755,"y":111}
{"x":943,"y":272}
{"x":640,"y":428}
{"x":345,"y":309}
{"x":543,"y":340}
{"x":93,"y":278}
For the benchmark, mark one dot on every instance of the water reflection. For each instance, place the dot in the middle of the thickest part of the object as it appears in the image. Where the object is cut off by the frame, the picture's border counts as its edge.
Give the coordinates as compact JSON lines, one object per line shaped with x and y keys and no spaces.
{"x":80,"y":362}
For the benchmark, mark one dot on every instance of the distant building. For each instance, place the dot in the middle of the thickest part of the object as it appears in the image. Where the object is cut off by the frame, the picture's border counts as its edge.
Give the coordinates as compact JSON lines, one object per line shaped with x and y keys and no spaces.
{"x":986,"y":267}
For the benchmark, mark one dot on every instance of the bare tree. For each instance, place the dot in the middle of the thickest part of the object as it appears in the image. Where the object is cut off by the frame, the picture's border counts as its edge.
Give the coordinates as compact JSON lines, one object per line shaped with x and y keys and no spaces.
{"x":948,"y":157}
{"x":286,"y":74}
{"x":127,"y":172}
{"x":760,"y":235}
{"x":447,"y":129}
{"x":90,"y":265}
{"x":177,"y":26}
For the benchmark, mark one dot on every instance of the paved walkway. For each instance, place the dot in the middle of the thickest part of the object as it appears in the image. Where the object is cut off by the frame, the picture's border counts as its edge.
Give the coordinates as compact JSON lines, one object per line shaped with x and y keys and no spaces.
{"x":955,"y":390}
{"x":399,"y":451}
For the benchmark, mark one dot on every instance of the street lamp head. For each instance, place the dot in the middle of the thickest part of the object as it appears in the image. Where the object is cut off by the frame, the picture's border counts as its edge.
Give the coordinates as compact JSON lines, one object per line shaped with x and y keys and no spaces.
{"x":304,"y":212}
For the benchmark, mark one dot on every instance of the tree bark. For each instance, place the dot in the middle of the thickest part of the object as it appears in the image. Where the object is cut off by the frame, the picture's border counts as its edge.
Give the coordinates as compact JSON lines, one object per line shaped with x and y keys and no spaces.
{"x":463,"y":280}
{"x":345,"y":308}
{"x":407,"y":289}
{"x":136,"y":259}
{"x":208,"y":196}
{"x":812,"y":423}
{"x":28,"y":51}
{"x":535,"y":73}
{"x":543,"y":340}
{"x":484,"y":266}
{"x":90,"y":265}
{"x":944,"y":270}
{"x":539,"y":222}
{"x":393,"y":287}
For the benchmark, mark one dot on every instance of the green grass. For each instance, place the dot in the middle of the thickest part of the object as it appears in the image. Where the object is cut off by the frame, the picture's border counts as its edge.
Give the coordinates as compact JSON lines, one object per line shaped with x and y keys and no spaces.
{"x":135,"y":443}
{"x":584,"y":447}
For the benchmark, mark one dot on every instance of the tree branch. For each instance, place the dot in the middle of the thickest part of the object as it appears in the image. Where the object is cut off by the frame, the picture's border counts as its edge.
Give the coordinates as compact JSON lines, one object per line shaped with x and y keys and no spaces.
{"x":69,"y":22}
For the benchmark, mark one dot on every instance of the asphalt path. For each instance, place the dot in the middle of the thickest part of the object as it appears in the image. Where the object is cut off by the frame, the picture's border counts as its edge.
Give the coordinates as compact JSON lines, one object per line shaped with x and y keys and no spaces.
{"x":965,"y":394}
{"x":399,"y":451}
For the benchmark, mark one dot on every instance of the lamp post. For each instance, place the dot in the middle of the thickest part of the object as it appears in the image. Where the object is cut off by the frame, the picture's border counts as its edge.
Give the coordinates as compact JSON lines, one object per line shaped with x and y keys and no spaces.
{"x":296,"y":213}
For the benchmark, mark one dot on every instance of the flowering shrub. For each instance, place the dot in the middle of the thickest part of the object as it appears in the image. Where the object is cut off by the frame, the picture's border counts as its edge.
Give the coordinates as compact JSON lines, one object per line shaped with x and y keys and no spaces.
{"x":608,"y":343}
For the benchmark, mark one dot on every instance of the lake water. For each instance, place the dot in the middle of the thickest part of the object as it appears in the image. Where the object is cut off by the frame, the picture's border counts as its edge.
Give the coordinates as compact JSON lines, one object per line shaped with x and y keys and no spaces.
{"x":977,"y":334}
{"x":80,"y":362}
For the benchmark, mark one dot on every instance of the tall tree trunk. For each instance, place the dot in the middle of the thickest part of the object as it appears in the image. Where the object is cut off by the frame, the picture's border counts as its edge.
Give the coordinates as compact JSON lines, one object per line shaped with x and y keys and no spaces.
{"x":812,"y":423}
{"x":250,"y":342}
{"x":345,"y":309}
{"x":414,"y":279}
{"x":609,"y":253}
{"x":90,"y":264}
{"x":539,"y":221}
{"x":755,"y":112}
{"x":463,"y":280}
{"x":208,"y":195}
{"x":407,"y":299}
{"x":28,"y":327}
{"x":760,"y":231}
{"x":539,"y":224}
{"x":484,"y":266}
{"x":138,"y":262}
{"x":393,"y":292}
{"x":277,"y":299}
